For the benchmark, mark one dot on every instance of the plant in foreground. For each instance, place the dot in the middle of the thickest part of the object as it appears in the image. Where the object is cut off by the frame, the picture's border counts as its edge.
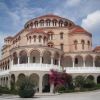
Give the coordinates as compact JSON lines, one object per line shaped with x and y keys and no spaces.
{"x":25,"y":87}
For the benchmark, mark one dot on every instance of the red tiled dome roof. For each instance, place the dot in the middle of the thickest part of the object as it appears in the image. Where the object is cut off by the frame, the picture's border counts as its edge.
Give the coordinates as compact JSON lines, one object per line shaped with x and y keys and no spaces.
{"x":79,"y":30}
{"x":50,"y":15}
{"x":38,"y":31}
{"x":9,"y":37}
{"x":97,"y":49}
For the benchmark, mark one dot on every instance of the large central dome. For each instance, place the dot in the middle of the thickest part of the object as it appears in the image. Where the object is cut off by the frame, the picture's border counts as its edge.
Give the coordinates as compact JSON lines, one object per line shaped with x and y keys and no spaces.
{"x":49,"y":20}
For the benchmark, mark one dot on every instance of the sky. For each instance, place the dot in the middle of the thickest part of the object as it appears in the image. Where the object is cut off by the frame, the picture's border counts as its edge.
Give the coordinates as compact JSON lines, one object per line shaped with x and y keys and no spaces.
{"x":15,"y":13}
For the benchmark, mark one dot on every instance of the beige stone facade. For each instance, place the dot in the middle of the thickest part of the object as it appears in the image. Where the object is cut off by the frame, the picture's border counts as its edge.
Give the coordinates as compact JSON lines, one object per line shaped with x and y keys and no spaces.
{"x":48,"y":42}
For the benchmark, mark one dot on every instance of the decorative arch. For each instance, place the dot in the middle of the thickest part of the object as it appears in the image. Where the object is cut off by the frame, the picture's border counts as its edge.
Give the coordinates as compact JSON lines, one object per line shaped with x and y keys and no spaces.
{"x":75,"y":44}
{"x":88,"y":61}
{"x":15,"y":58}
{"x":50,"y":44}
{"x":23,"y":57}
{"x":98,"y":79}
{"x":97,"y":61}
{"x":67,"y":61}
{"x":46,"y":57}
{"x":78,"y":61}
{"x":45,"y":83}
{"x":35,"y":78}
{"x":54,"y":22}
{"x":21,"y":76}
{"x":60,"y":23}
{"x":56,"y":58}
{"x":83,"y":43}
{"x":12,"y":81}
{"x":35,"y":56}
{"x":48,"y":21}
{"x":41,"y":22}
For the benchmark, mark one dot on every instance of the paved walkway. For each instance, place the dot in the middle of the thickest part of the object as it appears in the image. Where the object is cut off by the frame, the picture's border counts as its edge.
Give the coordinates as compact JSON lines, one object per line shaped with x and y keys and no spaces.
{"x":94,"y":95}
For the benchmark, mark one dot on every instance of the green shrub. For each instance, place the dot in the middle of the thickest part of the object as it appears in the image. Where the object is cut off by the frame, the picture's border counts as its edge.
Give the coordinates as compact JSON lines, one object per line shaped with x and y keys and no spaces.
{"x":59,"y":88}
{"x":90,"y":77}
{"x":26,"y":87}
{"x":4,"y":90}
{"x":89,"y":83}
{"x":79,"y":81}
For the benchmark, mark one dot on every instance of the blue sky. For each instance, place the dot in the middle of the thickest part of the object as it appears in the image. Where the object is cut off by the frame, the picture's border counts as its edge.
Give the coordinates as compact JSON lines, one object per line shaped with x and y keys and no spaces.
{"x":14,"y":14}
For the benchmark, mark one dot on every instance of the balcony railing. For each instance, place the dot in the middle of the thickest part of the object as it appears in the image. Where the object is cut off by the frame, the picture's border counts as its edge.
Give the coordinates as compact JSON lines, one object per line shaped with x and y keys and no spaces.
{"x":82,"y":69}
{"x":48,"y":67}
{"x":35,"y":67}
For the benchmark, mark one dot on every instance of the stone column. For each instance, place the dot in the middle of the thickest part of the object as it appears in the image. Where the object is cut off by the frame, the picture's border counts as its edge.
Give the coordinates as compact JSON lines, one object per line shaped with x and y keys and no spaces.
{"x":9,"y":82}
{"x":83,"y":62}
{"x":52,"y":60}
{"x":93,"y":61}
{"x":40,"y":59}
{"x":52,"y":88}
{"x":59,"y":61}
{"x":40,"y":84}
{"x":18,"y":60}
{"x":28,"y":59}
{"x":73,"y":62}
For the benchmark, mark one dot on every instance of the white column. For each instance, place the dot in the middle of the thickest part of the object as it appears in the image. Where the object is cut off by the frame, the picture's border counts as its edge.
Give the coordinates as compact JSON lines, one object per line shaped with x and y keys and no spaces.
{"x":83,"y":62}
{"x":28,"y":59}
{"x":18,"y":60}
{"x":9,"y":82}
{"x":59,"y":61}
{"x":40,"y":84}
{"x":40,"y":59}
{"x":51,"y":88}
{"x":93,"y":61}
{"x":73,"y":62}
{"x":52,"y":60}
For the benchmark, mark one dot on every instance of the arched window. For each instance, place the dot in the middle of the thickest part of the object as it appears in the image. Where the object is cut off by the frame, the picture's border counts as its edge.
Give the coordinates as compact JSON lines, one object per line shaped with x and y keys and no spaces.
{"x":41,"y":22}
{"x":51,"y":36}
{"x":36,"y":23}
{"x":61,"y":46}
{"x":48,"y":22}
{"x":75,"y":43}
{"x":44,"y":40}
{"x":34,"y":38}
{"x":30,"y":39}
{"x":76,"y":60}
{"x":54,"y":22}
{"x":66,"y":23}
{"x":88,"y":44}
{"x":31,"y":24}
{"x":61,"y":35}
{"x":60,"y":23}
{"x":34,"y":59}
{"x":82,"y":42}
{"x":40,"y":37}
{"x":50,"y":44}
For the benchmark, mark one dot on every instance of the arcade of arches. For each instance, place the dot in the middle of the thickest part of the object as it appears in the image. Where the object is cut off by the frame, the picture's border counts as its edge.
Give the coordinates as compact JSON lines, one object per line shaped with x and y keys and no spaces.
{"x":57,"y":59}
{"x":41,"y":82}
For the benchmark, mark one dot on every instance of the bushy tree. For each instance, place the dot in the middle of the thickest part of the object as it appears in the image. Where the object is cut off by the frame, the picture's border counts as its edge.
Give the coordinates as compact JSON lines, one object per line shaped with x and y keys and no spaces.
{"x":60,"y":79}
{"x":55,"y":78}
{"x":89,"y":82}
{"x":79,"y":81}
{"x":25,"y":87}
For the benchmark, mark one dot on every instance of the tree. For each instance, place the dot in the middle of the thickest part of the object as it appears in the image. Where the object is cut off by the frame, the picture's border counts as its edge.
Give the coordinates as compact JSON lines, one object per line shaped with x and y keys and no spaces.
{"x":25,"y":87}
{"x":55,"y":78}
{"x":61,"y":80}
{"x":79,"y":81}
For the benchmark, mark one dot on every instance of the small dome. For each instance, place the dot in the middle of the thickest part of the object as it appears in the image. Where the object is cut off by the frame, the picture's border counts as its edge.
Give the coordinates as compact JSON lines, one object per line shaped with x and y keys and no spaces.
{"x":79,"y":30}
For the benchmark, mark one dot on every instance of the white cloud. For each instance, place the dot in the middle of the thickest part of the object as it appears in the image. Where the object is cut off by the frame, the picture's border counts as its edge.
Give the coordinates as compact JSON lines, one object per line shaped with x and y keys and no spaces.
{"x":92,"y":21}
{"x":92,"y":24}
{"x":73,"y":2}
